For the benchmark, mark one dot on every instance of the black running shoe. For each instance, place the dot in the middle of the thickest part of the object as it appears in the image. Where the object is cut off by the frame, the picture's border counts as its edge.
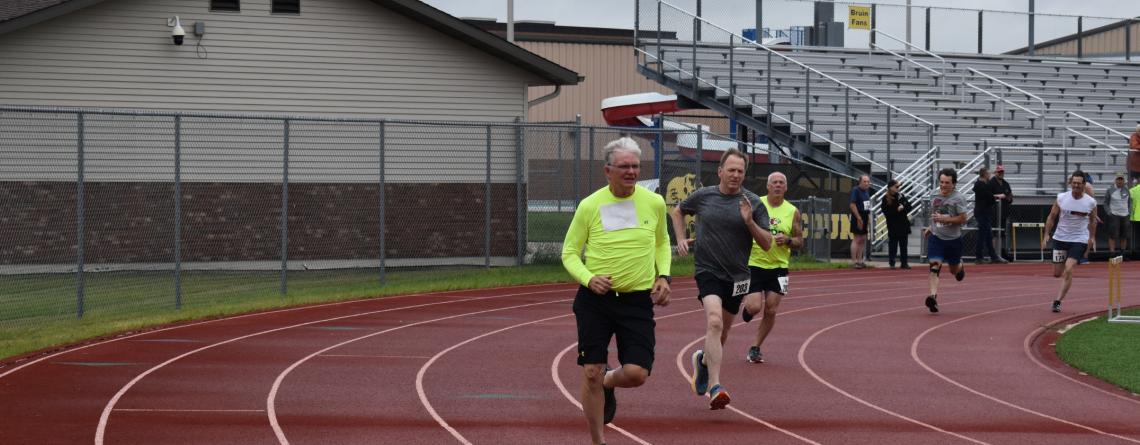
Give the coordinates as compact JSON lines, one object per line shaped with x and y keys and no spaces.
{"x":610,"y":408}
{"x":754,"y":355}
{"x":1056,"y":305}
{"x":932,"y":304}
{"x":961,"y":275}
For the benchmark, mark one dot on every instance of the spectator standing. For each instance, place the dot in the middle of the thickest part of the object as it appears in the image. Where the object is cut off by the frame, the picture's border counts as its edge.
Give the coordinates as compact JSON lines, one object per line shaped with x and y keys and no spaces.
{"x":895,"y":208}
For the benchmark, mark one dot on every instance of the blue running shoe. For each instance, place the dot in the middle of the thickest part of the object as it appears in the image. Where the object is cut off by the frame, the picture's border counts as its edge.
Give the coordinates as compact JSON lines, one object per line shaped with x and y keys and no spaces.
{"x":700,"y":373}
{"x":718,"y":397}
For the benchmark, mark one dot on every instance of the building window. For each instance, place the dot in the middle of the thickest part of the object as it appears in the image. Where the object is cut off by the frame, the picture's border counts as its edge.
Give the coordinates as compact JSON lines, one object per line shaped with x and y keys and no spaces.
{"x":286,"y":6}
{"x":225,"y":5}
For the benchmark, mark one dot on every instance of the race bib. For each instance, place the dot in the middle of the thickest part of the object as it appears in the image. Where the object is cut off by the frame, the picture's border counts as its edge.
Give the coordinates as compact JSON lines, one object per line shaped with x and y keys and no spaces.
{"x":619,"y":215}
{"x":1059,"y":256}
{"x":867,"y":206}
{"x":741,"y":287}
{"x":783,"y":284}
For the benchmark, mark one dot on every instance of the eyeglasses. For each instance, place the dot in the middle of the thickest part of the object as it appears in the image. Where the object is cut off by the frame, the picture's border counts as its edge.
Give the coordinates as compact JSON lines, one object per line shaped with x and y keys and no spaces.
{"x":626,"y":166}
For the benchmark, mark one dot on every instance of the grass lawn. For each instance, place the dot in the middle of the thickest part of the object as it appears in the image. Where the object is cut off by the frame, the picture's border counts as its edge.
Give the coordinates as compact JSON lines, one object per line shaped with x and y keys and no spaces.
{"x":547,"y":226}
{"x":1105,"y":350}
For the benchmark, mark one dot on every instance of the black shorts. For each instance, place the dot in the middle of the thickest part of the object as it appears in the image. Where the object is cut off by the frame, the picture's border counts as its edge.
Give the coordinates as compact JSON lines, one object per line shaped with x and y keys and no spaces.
{"x":855,"y":224}
{"x":629,"y":316}
{"x":1117,"y":227}
{"x":1063,"y":250}
{"x":767,"y":280}
{"x":708,"y":284}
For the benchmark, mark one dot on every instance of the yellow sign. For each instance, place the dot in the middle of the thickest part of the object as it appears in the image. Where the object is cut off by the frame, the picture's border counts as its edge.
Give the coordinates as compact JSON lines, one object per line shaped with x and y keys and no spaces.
{"x":859,"y":17}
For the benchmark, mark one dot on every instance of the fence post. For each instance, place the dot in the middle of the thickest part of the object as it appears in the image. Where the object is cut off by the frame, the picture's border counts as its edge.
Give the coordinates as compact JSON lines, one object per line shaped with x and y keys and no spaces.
{"x":659,"y":146}
{"x":487,"y":207}
{"x":285,"y":211}
{"x":79,"y":217}
{"x":520,"y":202}
{"x":383,"y":206}
{"x":700,"y":153}
{"x":577,"y":159}
{"x":847,"y":122}
{"x":178,"y":211}
{"x":871,"y":168}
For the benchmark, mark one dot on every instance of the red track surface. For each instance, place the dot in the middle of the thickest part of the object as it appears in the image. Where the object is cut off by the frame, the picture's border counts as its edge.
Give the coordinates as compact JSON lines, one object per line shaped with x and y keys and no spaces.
{"x":855,"y":359}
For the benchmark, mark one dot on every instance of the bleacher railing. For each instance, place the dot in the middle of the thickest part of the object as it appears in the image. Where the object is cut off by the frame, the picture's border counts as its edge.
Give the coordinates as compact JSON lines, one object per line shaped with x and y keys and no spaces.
{"x":682,"y":22}
{"x":1006,"y":87}
{"x":915,"y":182}
{"x":939,"y":76}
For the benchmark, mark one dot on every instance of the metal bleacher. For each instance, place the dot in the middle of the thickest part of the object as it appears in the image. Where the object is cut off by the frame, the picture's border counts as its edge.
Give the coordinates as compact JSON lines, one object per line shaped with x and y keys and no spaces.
{"x":880,"y":111}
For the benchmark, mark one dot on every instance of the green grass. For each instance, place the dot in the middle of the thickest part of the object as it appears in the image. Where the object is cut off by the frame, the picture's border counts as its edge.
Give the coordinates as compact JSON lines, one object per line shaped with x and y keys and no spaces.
{"x":547,"y":226}
{"x":1104,"y":350}
{"x":39,"y":311}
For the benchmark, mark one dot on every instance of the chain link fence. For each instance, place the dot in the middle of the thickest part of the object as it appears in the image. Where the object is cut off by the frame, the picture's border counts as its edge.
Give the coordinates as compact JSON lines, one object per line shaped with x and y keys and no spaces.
{"x":117,"y":212}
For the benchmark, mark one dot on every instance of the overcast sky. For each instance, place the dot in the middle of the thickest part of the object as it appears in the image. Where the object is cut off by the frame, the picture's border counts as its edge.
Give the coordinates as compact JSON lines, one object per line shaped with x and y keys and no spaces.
{"x":951,"y":30}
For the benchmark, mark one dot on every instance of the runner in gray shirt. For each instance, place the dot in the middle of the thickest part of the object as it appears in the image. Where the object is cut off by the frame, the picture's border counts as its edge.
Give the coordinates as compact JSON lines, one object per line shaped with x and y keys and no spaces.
{"x":729,"y":218}
{"x":944,"y":234}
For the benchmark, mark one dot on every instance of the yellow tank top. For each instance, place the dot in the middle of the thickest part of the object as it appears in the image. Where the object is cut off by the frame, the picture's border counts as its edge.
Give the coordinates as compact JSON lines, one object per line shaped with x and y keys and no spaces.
{"x":780,"y":221}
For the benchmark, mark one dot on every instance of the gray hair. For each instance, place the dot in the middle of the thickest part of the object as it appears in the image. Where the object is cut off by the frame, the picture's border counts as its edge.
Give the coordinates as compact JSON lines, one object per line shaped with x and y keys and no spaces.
{"x":625,"y":144}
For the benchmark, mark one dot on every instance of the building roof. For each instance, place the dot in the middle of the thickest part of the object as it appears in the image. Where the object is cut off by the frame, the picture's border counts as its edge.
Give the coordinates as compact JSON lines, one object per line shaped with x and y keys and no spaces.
{"x":530,"y":31}
{"x":17,"y":14}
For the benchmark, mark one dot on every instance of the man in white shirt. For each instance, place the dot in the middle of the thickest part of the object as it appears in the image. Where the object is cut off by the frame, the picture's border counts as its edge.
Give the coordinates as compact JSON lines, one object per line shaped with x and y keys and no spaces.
{"x":1075,"y":213}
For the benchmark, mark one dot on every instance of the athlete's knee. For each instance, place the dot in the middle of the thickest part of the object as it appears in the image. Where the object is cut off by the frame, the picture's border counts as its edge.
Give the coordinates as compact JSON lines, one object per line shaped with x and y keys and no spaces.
{"x":936,"y":269}
{"x":716,"y":323}
{"x":595,"y":373}
{"x":634,"y":375}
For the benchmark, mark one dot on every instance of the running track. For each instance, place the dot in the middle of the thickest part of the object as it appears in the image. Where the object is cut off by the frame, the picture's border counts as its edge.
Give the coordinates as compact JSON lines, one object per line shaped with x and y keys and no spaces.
{"x":854,"y":359}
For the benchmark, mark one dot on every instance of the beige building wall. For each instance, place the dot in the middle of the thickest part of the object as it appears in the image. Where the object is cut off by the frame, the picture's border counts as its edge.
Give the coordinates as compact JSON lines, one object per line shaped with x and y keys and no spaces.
{"x":610,"y":70}
{"x":1103,"y":44}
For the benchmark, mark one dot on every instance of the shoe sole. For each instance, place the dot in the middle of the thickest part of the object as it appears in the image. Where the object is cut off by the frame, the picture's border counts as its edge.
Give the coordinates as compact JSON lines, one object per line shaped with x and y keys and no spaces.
{"x":720,"y":401}
{"x":696,"y":372}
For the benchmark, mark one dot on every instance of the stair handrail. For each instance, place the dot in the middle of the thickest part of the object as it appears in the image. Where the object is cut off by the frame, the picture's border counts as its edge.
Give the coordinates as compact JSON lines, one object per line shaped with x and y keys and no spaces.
{"x":796,"y":62}
{"x":1003,"y":100}
{"x":1010,"y":86}
{"x":766,"y":110}
{"x":913,"y":183}
{"x":1107,"y":128}
{"x":907,"y":56}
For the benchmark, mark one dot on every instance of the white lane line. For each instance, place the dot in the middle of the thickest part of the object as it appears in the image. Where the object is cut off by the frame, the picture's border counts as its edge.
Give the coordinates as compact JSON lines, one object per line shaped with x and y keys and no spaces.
{"x":565,"y":393}
{"x":914,"y":355}
{"x":172,"y":410}
{"x":442,"y":294}
{"x":101,"y":429}
{"x":271,"y":399}
{"x":1027,"y":347}
{"x":374,"y":356}
{"x":824,"y":382}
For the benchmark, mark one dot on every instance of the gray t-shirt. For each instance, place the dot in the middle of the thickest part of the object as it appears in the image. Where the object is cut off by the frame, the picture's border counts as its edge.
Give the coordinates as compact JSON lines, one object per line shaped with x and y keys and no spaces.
{"x":952,"y":205}
{"x":723,"y":241}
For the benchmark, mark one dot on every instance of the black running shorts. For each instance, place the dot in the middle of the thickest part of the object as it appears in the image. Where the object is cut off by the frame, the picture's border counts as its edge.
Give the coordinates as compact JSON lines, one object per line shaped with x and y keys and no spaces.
{"x":1063,"y":250}
{"x":767,"y":279}
{"x":629,"y":316}
{"x":707,"y":284}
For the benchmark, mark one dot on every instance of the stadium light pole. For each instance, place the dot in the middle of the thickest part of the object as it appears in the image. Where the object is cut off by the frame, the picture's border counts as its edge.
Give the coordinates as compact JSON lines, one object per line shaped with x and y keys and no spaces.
{"x":1030,"y":46}
{"x":511,"y":21}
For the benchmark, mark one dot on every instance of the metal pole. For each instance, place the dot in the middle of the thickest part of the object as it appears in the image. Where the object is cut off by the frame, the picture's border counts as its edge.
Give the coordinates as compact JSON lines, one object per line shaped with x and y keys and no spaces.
{"x":577,"y":159}
{"x":1128,"y":43}
{"x":908,"y":36}
{"x":511,"y":21}
{"x":79,"y":217}
{"x":889,"y":172}
{"x":847,"y":122}
{"x":768,"y":99}
{"x":1031,"y":20}
{"x":178,"y":212}
{"x":1080,"y":37}
{"x":487,"y":207}
{"x":285,"y":213}
{"x":759,"y":20}
{"x":660,"y":52}
{"x":700,"y":151}
{"x":697,"y":26}
{"x":383,"y":205}
{"x":590,"y":165}
{"x":659,"y":146}
{"x":520,"y":203}
{"x":927,"y":44}
{"x":807,"y":106}
{"x":980,"y":14}
{"x":1041,"y":166}
{"x":731,"y":79}
{"x":696,"y":32}
{"x":873,"y":25}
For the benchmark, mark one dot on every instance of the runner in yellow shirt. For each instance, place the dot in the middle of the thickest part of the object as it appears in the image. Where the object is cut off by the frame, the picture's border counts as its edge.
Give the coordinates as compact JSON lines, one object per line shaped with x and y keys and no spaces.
{"x":626,"y":272}
{"x":769,"y":268}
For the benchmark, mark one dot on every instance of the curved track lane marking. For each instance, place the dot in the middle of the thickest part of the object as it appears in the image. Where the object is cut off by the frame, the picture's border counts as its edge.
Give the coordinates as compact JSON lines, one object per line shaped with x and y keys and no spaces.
{"x":235,"y":317}
{"x":101,"y":430}
{"x":270,"y":401}
{"x":558,"y":382}
{"x":1027,"y":347}
{"x":824,"y":382}
{"x":914,"y":355}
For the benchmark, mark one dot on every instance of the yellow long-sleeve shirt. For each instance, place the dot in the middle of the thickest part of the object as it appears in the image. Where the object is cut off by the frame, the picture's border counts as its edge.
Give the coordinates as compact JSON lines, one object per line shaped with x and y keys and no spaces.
{"x":625,"y":238}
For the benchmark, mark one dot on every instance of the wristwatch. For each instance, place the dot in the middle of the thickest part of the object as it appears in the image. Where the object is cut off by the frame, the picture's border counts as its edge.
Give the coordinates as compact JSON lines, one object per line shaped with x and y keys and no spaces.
{"x":668,"y":279}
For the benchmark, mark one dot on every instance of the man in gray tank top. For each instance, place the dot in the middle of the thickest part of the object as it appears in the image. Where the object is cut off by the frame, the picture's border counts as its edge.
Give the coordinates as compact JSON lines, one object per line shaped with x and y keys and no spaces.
{"x":944,"y":234}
